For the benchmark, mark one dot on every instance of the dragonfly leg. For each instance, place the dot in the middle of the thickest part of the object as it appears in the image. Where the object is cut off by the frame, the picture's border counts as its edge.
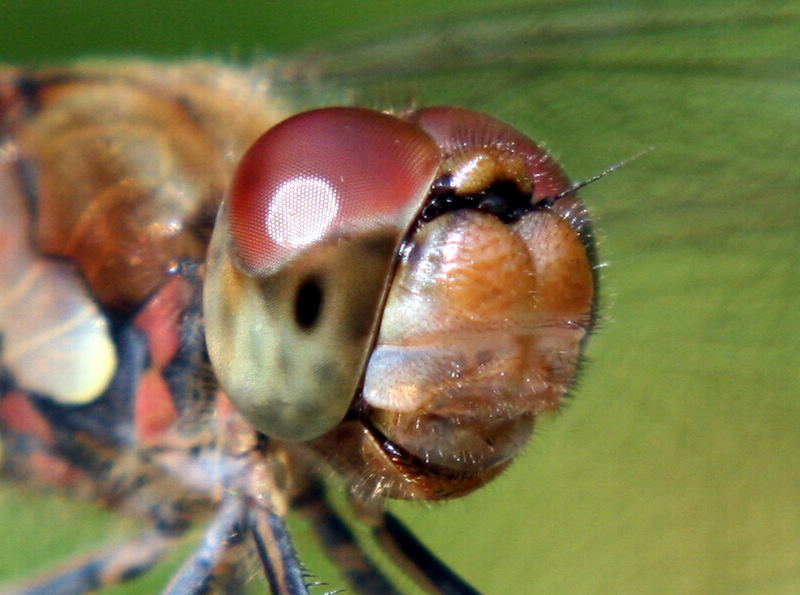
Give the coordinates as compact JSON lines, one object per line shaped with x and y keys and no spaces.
{"x":284,"y":571}
{"x":234,"y":574}
{"x":100,"y":568}
{"x":341,"y":545}
{"x":423,"y":566}
{"x":213,"y":566}
{"x":208,"y":562}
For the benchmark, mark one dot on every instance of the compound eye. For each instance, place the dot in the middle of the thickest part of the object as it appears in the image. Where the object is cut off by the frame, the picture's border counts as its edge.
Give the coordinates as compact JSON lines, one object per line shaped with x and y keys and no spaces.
{"x":300,"y":259}
{"x":321,"y":174}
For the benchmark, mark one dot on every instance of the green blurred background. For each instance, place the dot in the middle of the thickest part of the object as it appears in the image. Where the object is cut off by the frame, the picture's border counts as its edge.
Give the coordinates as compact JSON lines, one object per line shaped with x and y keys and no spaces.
{"x":674,"y":469}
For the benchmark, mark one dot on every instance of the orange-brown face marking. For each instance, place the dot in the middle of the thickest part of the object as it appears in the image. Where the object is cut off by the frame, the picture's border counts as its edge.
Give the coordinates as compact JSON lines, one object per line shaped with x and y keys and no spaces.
{"x":485,"y":270}
{"x":482,"y":331}
{"x":561,"y":267}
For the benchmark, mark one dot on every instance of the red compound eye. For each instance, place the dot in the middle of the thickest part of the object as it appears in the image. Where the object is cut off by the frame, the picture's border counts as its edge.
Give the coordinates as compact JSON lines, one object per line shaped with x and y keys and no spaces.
{"x":325,"y":173}
{"x":455,"y":129}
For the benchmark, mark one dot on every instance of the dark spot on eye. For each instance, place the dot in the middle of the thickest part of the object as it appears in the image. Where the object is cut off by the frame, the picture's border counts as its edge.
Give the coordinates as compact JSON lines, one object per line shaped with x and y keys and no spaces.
{"x":308,"y":303}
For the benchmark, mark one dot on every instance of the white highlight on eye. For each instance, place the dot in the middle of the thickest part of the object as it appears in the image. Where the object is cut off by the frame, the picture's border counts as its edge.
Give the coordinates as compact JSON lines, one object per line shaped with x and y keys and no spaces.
{"x":301,"y":211}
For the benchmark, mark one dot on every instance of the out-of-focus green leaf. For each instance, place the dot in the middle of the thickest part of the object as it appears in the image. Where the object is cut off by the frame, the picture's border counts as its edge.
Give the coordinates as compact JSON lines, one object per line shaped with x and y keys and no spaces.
{"x":674,"y":466}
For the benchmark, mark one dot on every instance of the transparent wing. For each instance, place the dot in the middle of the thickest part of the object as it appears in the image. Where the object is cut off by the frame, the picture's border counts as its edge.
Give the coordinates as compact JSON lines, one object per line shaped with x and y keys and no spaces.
{"x":673,"y":468}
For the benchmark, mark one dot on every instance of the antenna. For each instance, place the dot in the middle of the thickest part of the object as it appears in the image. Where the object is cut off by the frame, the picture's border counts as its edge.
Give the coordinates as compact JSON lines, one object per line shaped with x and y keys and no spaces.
{"x":549,"y":200}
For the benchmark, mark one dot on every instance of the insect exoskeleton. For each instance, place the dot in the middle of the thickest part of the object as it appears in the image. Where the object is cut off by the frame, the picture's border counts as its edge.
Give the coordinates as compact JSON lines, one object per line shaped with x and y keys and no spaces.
{"x":406,"y":292}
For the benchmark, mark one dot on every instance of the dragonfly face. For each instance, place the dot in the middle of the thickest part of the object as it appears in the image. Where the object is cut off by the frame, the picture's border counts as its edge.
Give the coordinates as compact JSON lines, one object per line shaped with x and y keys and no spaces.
{"x":398,"y":297}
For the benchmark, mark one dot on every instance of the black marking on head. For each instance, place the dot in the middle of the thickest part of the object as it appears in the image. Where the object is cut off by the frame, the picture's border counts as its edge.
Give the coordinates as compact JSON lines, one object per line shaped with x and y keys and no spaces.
{"x":309,"y":301}
{"x":503,"y":198}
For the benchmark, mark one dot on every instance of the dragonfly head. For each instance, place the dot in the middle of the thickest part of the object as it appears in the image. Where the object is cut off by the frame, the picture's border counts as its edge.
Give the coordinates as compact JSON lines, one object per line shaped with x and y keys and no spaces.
{"x":400,"y":291}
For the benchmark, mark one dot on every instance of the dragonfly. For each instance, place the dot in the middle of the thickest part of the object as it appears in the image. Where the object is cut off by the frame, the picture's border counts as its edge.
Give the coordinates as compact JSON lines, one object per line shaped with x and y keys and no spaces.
{"x":663,"y":473}
{"x":349,"y":243}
